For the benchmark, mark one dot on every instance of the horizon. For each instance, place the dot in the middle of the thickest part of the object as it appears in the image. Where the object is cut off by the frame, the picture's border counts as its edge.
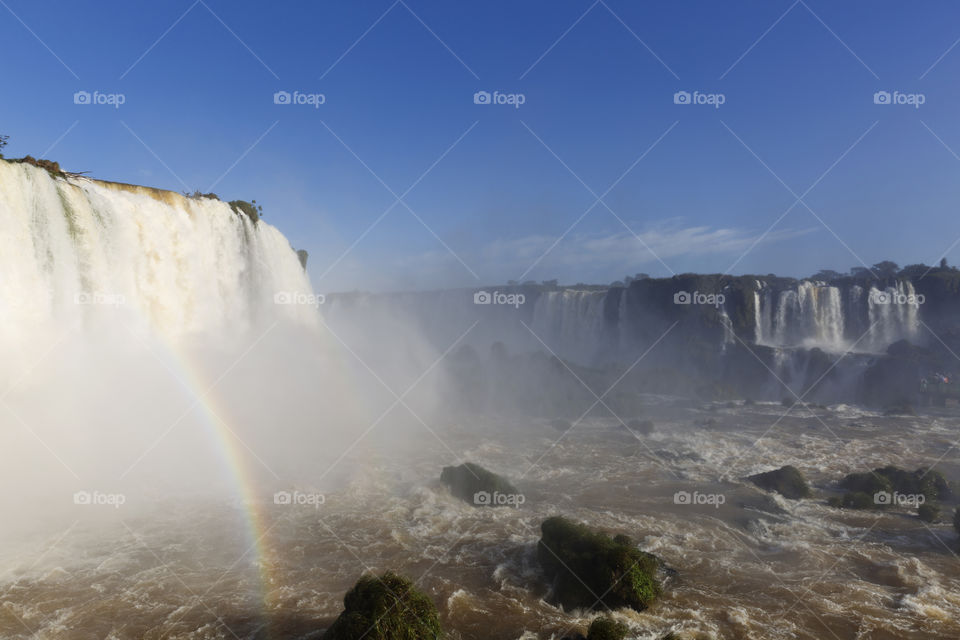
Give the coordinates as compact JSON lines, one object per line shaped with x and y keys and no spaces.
{"x":638,"y":138}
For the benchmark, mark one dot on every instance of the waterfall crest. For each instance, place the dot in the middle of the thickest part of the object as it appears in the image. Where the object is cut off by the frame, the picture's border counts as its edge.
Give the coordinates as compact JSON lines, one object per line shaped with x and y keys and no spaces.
{"x":77,"y":250}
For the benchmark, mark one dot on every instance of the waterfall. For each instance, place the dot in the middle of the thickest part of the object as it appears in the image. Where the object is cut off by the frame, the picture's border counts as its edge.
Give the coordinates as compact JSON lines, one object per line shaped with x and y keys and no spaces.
{"x":78,"y":251}
{"x":893,"y":315}
{"x":572,"y":320}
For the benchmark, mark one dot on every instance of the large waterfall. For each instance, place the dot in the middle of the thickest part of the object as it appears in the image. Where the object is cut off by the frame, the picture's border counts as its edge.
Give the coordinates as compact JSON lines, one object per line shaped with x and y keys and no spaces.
{"x":78,"y":250}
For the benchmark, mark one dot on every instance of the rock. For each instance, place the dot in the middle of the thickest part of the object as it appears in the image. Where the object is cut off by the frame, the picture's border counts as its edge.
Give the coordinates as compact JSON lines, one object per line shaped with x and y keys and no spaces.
{"x":583,"y":565}
{"x":606,"y":628}
{"x":388,"y":607}
{"x":853,"y":500}
{"x":472,"y":483}
{"x":787,"y":481}
{"x":869,"y":483}
{"x":561,"y":425}
{"x":929,"y":512}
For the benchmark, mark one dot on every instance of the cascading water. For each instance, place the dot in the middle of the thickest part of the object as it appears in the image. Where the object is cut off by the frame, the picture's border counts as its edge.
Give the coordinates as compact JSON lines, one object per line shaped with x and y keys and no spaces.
{"x":77,"y":250}
{"x":893,"y":315}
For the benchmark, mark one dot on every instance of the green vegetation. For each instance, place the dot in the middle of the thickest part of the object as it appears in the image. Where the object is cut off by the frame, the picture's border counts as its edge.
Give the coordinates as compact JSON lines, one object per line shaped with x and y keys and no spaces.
{"x":468,"y":480}
{"x":606,"y":628}
{"x":787,"y":481}
{"x":862,"y":487}
{"x":388,"y":607}
{"x":196,"y":195}
{"x":590,"y":569}
{"x":251,"y":209}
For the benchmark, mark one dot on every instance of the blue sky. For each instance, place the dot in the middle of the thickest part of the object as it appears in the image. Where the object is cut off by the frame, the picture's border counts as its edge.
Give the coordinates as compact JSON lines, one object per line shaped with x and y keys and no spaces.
{"x":497,"y":190}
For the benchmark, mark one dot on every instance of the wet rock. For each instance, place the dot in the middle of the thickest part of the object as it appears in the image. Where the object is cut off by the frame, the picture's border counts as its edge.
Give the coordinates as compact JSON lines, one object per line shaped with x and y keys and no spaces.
{"x":581,"y":562}
{"x":472,"y":483}
{"x":787,"y":481}
{"x":387,"y":607}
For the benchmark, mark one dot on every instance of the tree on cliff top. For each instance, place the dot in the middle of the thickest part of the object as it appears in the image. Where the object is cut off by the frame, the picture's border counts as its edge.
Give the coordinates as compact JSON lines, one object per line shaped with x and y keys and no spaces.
{"x":3,"y":143}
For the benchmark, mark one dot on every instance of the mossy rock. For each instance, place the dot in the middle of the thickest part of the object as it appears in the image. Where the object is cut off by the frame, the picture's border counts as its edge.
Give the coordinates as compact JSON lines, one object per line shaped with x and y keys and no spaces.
{"x":787,"y":481}
{"x":869,"y":483}
{"x":606,"y":628}
{"x":388,"y":607}
{"x":929,"y":512}
{"x":590,"y":569}
{"x":928,"y":482}
{"x":469,"y":479}
{"x":853,"y":500}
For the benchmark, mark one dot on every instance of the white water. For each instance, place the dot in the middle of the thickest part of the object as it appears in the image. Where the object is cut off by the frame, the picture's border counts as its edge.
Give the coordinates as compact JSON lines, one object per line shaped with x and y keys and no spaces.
{"x":80,"y":250}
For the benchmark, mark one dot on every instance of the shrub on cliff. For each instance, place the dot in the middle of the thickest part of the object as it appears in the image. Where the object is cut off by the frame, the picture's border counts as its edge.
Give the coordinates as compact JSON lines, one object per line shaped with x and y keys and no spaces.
{"x":3,"y":142}
{"x":606,"y":628}
{"x":472,"y":483}
{"x":590,"y":569}
{"x":251,"y":209}
{"x":388,"y":607}
{"x":787,"y":481}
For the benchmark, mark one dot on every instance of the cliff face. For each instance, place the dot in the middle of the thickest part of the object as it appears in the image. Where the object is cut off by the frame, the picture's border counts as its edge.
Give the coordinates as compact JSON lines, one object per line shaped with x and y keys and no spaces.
{"x":739,"y":334}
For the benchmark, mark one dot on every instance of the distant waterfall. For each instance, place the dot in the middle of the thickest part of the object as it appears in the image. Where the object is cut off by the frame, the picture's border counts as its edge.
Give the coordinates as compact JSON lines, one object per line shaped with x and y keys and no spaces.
{"x":75,"y":251}
{"x":893,"y":315}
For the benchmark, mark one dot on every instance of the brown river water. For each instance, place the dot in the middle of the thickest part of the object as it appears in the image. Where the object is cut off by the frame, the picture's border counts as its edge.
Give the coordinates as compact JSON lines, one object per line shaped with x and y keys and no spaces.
{"x":754,"y":567}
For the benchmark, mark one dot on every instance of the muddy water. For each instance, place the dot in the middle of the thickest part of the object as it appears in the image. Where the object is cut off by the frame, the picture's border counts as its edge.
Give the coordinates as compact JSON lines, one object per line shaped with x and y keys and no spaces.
{"x":755,"y":566}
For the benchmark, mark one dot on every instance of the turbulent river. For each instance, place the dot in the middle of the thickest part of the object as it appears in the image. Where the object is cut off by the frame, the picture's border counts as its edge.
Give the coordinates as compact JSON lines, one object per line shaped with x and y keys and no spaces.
{"x":755,"y":567}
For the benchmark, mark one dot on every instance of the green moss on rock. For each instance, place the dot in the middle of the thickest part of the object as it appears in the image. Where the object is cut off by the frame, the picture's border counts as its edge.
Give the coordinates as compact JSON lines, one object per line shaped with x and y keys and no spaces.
{"x":606,"y":628}
{"x":929,"y":512}
{"x":388,"y":607}
{"x":787,"y":481}
{"x":590,"y":569}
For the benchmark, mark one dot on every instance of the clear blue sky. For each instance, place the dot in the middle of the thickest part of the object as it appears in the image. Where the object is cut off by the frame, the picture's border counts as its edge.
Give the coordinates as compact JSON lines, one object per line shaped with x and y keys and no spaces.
{"x":199,"y":80}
